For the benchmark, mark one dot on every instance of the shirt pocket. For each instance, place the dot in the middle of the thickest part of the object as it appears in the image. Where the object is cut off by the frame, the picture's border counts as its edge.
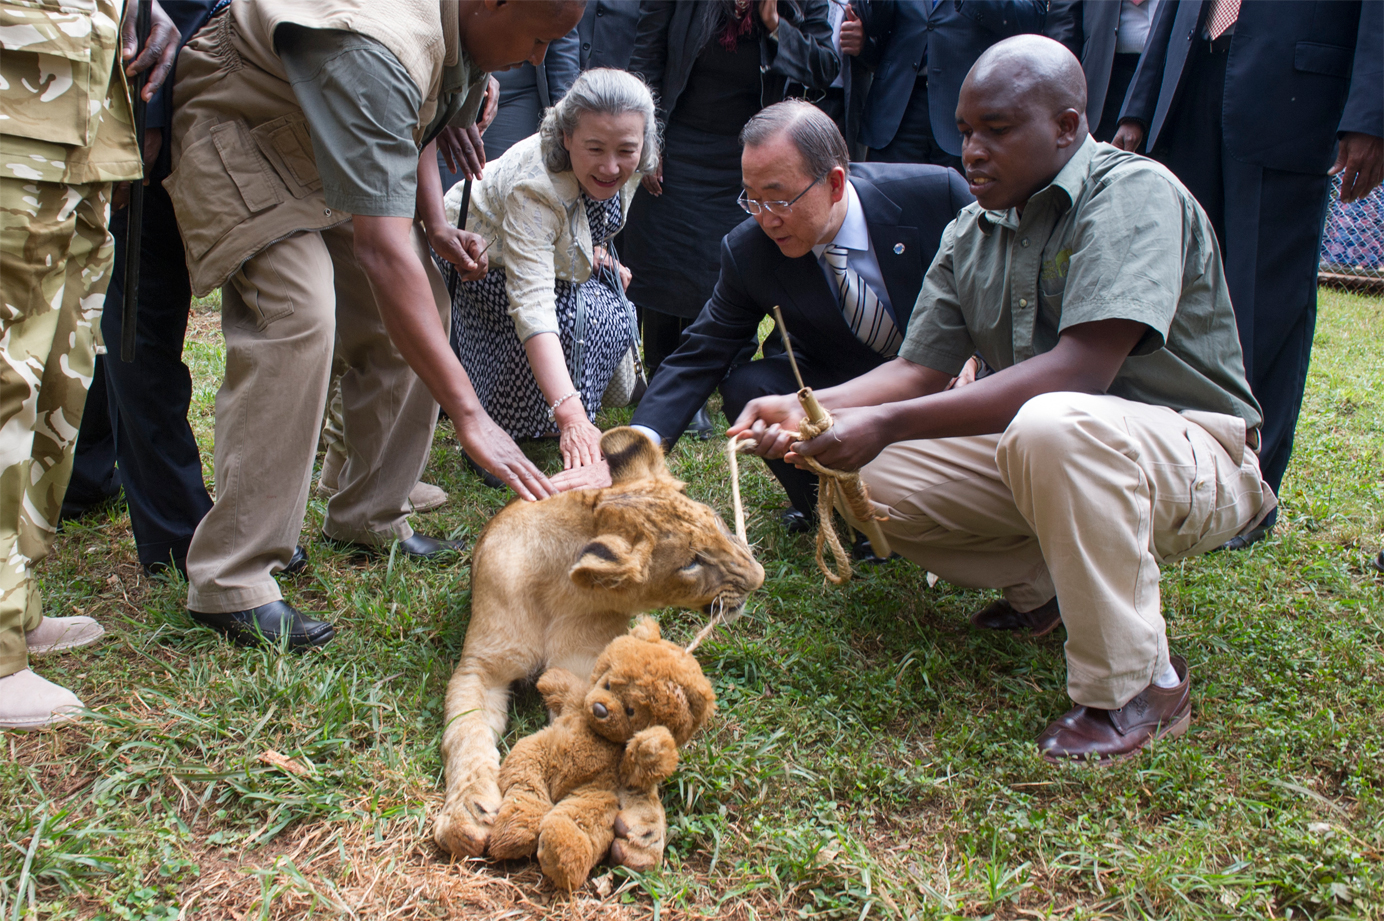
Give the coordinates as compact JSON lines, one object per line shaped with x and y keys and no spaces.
{"x":45,"y":75}
{"x":221,"y":180}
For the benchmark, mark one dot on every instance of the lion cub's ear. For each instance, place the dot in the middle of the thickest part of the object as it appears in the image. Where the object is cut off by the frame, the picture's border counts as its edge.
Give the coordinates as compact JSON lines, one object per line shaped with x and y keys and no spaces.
{"x":611,"y":562}
{"x":631,"y":456}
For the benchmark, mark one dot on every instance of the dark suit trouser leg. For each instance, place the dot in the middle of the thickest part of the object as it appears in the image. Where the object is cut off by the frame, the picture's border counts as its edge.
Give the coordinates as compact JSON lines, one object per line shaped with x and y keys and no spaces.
{"x":1121,"y":73}
{"x":1269,"y":225}
{"x":94,"y":477}
{"x":914,"y":142}
{"x":149,"y":398}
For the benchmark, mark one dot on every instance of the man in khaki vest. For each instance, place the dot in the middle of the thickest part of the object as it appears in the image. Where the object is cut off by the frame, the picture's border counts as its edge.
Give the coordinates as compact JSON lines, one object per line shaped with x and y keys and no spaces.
{"x":66,"y":134}
{"x":296,"y":148}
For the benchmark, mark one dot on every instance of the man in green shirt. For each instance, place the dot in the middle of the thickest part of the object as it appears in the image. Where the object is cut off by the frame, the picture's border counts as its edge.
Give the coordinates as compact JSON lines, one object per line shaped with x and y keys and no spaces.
{"x":1118,"y":432}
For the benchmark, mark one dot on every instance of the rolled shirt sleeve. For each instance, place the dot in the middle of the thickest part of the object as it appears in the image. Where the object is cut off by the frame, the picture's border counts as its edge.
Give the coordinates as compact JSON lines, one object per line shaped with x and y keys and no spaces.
{"x":362,"y":108}
{"x":1125,"y":261}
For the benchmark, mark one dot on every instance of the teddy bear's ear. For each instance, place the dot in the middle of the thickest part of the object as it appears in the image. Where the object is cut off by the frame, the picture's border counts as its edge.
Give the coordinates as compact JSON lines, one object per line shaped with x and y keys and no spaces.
{"x":646,"y":629}
{"x":611,"y":562}
{"x":631,"y":456}
{"x":561,"y":691}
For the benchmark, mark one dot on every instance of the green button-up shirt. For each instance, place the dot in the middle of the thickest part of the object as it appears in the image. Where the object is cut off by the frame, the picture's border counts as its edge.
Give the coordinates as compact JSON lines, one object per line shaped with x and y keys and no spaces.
{"x":1113,"y":236}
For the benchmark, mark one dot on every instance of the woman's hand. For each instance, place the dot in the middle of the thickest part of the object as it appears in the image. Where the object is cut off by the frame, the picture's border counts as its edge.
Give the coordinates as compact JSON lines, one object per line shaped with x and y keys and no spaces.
{"x":488,"y":445}
{"x":592,"y":476}
{"x":653,"y":180}
{"x":603,"y":259}
{"x":461,"y":248}
{"x":967,"y":375}
{"x":580,"y":442}
{"x":768,"y":14}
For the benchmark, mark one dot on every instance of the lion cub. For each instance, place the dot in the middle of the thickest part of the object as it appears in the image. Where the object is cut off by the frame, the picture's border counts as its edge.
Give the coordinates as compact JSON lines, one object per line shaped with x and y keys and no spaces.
{"x":552,"y":583}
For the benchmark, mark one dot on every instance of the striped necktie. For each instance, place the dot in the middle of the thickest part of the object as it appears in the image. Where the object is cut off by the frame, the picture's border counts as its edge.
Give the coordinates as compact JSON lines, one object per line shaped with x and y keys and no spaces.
{"x":864,"y":313}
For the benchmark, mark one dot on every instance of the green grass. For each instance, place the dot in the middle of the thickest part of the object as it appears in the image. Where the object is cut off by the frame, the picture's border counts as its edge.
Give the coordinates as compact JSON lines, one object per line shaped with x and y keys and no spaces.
{"x":873,"y":756}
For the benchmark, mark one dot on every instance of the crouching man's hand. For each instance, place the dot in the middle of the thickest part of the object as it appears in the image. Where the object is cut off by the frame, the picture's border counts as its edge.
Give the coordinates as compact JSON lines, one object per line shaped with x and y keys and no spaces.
{"x":855,"y":438}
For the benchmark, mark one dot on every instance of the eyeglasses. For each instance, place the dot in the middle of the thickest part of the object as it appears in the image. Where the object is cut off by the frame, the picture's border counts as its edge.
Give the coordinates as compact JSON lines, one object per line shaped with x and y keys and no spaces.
{"x":779,"y":208}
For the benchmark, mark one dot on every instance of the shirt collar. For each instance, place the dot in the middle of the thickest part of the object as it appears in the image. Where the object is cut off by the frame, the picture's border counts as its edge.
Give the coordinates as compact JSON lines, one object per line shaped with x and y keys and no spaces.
{"x":1069,"y":181}
{"x":854,"y":232}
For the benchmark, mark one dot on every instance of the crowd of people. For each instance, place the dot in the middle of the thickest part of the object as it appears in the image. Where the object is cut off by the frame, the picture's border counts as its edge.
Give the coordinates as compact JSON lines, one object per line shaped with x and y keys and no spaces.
{"x":1050,"y":265}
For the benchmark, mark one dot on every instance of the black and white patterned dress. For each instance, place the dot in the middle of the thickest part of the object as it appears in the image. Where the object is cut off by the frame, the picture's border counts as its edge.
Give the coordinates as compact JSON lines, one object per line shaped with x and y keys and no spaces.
{"x":484,"y":338}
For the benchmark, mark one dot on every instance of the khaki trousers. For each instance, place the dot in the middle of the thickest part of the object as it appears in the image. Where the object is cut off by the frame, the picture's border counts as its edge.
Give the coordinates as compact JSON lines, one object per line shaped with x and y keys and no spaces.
{"x":1082,"y":497}
{"x":284,"y":314}
{"x":55,"y":263}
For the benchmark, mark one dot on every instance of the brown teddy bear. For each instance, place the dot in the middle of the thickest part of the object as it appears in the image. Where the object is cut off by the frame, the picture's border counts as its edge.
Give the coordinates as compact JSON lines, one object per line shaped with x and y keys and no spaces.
{"x":567,"y":788}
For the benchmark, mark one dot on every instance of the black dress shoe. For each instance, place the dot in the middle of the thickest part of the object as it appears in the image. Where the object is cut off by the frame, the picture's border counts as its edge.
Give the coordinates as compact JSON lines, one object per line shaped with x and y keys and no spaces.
{"x":701,"y":427}
{"x":796,"y":522}
{"x":296,"y":563}
{"x":863,"y":552}
{"x":1254,"y":536}
{"x":419,"y":546}
{"x":163,"y":567}
{"x":1000,"y":615}
{"x":488,"y":478}
{"x":1378,"y":562}
{"x":267,"y":625}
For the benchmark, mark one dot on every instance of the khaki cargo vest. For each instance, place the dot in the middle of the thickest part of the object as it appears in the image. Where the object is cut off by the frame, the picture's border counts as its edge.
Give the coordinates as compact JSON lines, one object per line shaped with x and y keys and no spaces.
{"x":244,"y":174}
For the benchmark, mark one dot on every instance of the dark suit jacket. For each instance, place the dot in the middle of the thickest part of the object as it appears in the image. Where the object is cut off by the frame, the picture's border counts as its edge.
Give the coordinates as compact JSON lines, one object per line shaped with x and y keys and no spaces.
{"x":1299,"y":71}
{"x":1089,"y":28}
{"x":607,"y":31}
{"x":671,"y":35}
{"x":907,"y":206}
{"x":948,"y":37}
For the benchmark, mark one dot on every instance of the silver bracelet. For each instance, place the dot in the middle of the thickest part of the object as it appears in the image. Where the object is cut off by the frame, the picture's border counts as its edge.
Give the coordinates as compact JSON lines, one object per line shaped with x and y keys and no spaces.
{"x":552,"y":410}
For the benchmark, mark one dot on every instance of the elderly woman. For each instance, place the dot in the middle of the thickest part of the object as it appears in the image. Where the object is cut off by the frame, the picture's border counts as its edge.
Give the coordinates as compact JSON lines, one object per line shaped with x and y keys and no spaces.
{"x":543,"y":333}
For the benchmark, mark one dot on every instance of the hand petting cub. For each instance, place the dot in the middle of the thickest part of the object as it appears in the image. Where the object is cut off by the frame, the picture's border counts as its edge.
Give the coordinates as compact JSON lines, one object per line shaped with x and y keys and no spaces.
{"x":596,"y":768}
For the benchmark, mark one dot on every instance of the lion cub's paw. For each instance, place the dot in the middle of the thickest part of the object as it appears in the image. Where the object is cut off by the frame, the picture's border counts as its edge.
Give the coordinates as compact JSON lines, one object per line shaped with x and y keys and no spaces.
{"x":515,"y":833}
{"x":463,"y":826}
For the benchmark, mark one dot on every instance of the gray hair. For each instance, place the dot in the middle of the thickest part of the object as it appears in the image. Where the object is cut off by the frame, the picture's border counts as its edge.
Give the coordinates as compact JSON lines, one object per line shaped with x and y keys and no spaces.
{"x":602,"y":91}
{"x":809,"y":128}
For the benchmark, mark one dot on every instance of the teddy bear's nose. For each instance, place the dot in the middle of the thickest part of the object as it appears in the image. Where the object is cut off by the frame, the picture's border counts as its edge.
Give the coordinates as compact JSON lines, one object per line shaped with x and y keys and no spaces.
{"x":600,"y":711}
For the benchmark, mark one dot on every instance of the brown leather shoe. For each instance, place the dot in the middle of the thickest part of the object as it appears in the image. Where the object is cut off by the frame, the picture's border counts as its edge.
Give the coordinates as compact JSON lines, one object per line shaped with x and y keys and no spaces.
{"x":1000,"y":615}
{"x":1092,"y":735}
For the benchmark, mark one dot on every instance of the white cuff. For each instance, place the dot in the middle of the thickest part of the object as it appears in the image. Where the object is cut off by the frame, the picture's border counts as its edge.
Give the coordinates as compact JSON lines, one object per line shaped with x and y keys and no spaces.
{"x":649,"y":434}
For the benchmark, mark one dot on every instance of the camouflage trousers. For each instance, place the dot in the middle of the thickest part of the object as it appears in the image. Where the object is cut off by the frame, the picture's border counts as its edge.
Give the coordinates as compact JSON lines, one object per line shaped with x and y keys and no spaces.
{"x":55,"y":263}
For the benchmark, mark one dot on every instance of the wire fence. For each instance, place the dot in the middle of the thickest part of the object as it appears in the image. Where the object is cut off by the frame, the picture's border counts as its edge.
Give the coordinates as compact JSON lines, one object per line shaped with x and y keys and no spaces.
{"x":1352,"y":255}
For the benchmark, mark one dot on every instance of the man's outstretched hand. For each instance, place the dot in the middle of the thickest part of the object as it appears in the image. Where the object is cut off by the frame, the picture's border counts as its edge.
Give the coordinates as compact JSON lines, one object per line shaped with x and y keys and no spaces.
{"x":488,"y":445}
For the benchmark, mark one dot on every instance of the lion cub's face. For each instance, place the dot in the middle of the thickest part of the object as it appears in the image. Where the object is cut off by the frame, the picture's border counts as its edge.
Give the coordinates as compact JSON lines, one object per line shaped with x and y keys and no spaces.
{"x":654,"y":546}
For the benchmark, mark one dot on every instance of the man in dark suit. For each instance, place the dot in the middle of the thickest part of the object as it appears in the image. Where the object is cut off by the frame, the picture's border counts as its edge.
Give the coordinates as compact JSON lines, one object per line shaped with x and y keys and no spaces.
{"x":606,"y":32}
{"x":1107,"y":36}
{"x":817,"y":229}
{"x":920,"y":51}
{"x":1247,"y":102}
{"x":136,"y":412}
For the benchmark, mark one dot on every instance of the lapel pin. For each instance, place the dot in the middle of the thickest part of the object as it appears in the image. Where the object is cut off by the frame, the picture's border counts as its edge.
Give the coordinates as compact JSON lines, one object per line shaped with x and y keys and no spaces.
{"x":898,"y":249}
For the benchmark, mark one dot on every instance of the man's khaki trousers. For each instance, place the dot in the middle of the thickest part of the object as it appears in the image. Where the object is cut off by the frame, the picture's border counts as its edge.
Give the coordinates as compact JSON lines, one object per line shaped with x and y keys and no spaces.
{"x":283,"y":315}
{"x":1082,"y":497}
